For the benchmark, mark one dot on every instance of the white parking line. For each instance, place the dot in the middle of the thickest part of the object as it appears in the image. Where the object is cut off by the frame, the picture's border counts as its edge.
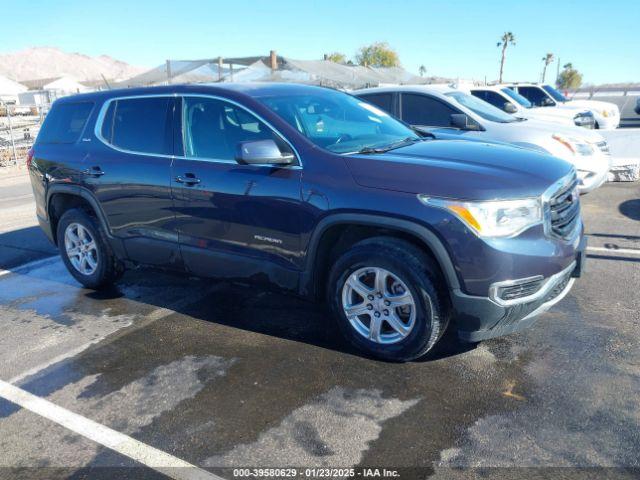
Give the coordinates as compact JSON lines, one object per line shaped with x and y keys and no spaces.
{"x":28,"y":266}
{"x":626,"y":251}
{"x":145,"y":454}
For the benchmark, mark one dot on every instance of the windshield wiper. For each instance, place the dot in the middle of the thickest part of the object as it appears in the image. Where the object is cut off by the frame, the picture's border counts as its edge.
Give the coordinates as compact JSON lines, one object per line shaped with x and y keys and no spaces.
{"x":391,"y":146}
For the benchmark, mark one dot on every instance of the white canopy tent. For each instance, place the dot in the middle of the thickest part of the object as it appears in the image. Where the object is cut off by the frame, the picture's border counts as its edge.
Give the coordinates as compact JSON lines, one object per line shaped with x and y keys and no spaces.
{"x":273,"y":69}
{"x":66,"y":85}
{"x":9,"y":90}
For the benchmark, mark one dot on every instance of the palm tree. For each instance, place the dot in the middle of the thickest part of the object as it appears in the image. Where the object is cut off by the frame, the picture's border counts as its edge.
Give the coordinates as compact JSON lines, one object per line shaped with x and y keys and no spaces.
{"x":505,"y":40}
{"x":422,"y":70}
{"x":547,"y":59}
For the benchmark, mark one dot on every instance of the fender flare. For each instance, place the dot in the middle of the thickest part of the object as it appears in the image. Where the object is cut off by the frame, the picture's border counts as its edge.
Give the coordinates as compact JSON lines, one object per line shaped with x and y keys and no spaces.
{"x":424,"y":234}
{"x":86,"y":194}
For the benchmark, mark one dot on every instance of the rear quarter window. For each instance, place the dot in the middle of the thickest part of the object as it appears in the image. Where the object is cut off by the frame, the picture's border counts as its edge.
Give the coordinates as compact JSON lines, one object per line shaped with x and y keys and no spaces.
{"x":65,"y":122}
{"x":141,"y":125}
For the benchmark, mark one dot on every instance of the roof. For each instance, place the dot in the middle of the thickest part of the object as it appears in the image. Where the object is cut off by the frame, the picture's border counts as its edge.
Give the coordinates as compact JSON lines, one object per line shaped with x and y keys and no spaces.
{"x":249,"y":89}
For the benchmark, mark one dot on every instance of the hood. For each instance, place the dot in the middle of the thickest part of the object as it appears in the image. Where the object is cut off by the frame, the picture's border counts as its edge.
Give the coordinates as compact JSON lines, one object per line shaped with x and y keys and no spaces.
{"x":554,"y":115}
{"x":573,"y":131}
{"x":596,"y":105}
{"x":459,"y":169}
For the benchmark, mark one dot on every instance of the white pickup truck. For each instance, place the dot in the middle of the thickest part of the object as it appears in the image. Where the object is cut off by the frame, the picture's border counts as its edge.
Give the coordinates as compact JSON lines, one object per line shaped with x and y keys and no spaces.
{"x":606,"y":114}
{"x":509,"y":101}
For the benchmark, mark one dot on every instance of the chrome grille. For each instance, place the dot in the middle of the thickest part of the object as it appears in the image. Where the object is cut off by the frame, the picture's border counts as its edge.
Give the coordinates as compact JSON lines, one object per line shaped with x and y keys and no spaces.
{"x":564,"y":209}
{"x":524,"y":289}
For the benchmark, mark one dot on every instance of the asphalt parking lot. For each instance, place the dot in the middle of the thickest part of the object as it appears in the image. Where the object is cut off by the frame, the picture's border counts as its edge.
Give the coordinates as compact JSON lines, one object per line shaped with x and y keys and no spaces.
{"x":221,"y":376}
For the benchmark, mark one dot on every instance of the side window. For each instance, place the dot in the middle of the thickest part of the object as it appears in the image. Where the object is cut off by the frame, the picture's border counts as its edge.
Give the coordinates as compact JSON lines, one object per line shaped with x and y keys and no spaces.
{"x":65,"y":123}
{"x":534,"y":94}
{"x":481,"y":94}
{"x":382,"y":100}
{"x":427,"y":111}
{"x":141,"y":125}
{"x":493,"y":98}
{"x":212,"y":129}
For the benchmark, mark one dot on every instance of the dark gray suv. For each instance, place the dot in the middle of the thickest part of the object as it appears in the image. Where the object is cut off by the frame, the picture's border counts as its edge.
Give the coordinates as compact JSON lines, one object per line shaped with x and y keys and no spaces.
{"x":313,"y":191}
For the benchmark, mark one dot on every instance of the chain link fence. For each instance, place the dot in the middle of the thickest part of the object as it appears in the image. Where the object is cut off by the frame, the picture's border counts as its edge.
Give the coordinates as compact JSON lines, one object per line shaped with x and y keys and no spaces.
{"x":19,"y":127}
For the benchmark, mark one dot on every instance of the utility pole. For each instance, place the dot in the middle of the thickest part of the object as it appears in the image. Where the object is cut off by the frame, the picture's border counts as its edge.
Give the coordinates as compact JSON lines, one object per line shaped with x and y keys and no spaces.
{"x":169,"y":71}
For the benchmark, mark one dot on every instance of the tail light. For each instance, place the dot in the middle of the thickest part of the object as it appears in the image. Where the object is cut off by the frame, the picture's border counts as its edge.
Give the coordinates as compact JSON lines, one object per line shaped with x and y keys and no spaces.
{"x":29,"y":157}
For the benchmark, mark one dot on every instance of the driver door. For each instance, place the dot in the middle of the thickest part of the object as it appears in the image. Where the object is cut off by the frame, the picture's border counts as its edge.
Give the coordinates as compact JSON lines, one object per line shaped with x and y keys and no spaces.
{"x":432,"y":115}
{"x":234,"y":221}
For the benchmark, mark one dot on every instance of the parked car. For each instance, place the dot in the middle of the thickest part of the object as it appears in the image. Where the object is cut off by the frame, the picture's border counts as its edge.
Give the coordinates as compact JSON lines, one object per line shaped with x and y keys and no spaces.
{"x":313,"y":191}
{"x":606,"y":114}
{"x":515,"y":104}
{"x":452,"y":114}
{"x":21,"y":110}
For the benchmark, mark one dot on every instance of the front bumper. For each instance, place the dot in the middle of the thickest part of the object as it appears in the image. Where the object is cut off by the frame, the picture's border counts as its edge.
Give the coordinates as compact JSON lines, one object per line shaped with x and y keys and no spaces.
{"x":481,"y":318}
{"x":607,"y":123}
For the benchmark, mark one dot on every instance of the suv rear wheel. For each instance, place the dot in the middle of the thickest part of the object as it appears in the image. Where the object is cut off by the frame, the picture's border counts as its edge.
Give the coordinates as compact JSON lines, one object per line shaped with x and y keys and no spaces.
{"x":384,"y":294}
{"x":83,"y":248}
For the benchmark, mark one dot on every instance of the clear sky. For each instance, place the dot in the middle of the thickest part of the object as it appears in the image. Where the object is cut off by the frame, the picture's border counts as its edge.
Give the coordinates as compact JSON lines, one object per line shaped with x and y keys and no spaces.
{"x":451,"y":38}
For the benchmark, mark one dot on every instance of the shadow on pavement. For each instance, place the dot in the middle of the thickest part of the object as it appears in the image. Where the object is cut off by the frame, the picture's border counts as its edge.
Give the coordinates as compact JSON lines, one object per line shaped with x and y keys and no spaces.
{"x":18,"y":247}
{"x":259,"y":310}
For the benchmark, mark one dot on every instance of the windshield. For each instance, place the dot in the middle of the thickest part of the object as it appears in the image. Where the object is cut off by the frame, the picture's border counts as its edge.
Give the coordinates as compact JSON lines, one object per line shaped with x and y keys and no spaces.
{"x":557,"y":96}
{"x":339,"y":122}
{"x":480,"y":107}
{"x":517,"y":97}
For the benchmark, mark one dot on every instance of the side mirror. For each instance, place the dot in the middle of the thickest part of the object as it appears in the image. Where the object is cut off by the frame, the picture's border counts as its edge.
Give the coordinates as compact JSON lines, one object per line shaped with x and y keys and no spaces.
{"x":510,"y":107}
{"x":547,"y":102}
{"x":262,"y":152}
{"x":463,"y":122}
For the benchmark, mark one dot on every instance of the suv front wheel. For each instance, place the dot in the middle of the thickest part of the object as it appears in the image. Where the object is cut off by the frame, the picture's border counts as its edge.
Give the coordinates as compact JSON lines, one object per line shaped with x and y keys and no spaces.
{"x":384,"y":293}
{"x":84,"y":250}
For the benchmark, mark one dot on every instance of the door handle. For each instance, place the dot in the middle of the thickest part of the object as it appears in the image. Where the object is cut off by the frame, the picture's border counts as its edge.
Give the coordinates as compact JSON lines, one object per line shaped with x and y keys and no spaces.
{"x":187,"y":179}
{"x":95,"y":171}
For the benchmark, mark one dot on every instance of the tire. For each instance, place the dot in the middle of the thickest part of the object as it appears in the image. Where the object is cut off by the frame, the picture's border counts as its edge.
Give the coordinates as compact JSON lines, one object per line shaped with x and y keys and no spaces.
{"x":412,"y":271}
{"x":106,"y":267}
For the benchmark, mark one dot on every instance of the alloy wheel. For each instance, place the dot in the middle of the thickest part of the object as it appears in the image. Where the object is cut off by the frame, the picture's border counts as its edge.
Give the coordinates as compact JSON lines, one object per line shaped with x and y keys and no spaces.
{"x":378,"y":305}
{"x":81,"y":249}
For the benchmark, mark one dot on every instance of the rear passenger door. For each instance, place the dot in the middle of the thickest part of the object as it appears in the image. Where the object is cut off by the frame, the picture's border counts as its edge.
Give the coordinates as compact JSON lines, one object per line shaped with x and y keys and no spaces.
{"x":128,"y":170}
{"x":234,"y":220}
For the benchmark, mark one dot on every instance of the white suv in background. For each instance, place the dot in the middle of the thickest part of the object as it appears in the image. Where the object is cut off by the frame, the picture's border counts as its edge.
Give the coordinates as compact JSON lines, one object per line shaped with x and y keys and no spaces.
{"x":447,"y":113}
{"x":510,"y":101}
{"x":606,"y":114}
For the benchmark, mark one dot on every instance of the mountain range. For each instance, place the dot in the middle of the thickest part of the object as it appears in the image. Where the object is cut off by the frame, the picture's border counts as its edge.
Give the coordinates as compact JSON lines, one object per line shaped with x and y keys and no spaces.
{"x":50,"y":62}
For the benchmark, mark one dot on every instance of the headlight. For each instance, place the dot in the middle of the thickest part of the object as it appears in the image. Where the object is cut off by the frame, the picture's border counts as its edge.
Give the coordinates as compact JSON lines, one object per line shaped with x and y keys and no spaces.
{"x":495,"y":218}
{"x":577,"y":147}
